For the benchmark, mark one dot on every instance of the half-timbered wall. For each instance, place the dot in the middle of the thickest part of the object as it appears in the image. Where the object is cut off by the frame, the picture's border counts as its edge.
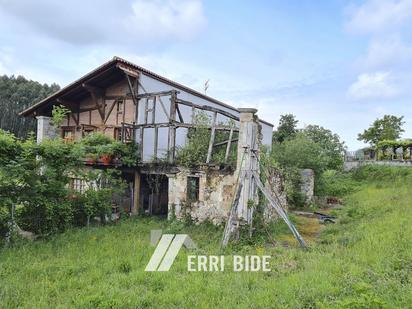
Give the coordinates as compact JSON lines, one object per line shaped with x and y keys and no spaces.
{"x":119,"y":111}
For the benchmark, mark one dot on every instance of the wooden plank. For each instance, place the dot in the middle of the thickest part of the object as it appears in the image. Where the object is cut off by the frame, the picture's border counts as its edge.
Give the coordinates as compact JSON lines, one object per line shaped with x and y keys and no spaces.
{"x":232,"y":218}
{"x":278,"y":209}
{"x":146,"y":108}
{"x":208,"y":108}
{"x":172,"y":129}
{"x":228,"y":146}
{"x":156,"y":138}
{"x":179,"y":113}
{"x":186,"y":125}
{"x":212,"y":138}
{"x":156,"y":94}
{"x":154,"y":110}
{"x":110,"y":111}
{"x":225,"y":142}
{"x":131,"y":89}
{"x":141,"y":143}
{"x":95,"y":92}
{"x":127,"y":70}
{"x":76,"y":120}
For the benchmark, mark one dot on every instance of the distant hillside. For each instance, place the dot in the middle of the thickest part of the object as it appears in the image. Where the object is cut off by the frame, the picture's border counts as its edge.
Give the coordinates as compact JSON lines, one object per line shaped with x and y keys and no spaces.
{"x":17,"y":93}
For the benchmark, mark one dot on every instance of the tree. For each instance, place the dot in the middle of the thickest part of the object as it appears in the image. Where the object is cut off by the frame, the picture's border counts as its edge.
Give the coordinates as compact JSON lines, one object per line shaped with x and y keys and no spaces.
{"x":329,"y":143}
{"x":286,"y":128}
{"x":16,"y":94}
{"x":300,"y":152}
{"x":387,"y":128}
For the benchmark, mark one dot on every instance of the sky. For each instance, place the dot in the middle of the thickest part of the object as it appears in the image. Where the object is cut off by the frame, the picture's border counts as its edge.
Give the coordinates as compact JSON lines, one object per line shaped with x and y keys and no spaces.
{"x":339,"y":64}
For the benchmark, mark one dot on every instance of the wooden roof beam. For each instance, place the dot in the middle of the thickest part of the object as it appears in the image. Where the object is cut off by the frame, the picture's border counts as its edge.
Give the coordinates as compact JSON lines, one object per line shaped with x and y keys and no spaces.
{"x":96,"y":93}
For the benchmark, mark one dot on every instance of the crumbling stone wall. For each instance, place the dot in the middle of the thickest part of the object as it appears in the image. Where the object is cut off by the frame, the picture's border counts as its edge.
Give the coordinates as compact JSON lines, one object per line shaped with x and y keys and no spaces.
{"x":215,"y":195}
{"x":275,"y":184}
{"x":216,"y":192}
{"x":307,"y":185}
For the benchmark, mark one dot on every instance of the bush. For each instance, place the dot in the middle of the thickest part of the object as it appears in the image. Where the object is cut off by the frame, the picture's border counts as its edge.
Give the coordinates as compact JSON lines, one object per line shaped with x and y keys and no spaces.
{"x":335,"y":183}
{"x":300,"y":152}
{"x":36,"y":179}
{"x":382,"y":173}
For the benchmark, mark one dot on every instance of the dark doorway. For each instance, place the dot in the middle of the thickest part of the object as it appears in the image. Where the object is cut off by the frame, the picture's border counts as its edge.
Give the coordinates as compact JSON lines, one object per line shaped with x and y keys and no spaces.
{"x":154,"y":194}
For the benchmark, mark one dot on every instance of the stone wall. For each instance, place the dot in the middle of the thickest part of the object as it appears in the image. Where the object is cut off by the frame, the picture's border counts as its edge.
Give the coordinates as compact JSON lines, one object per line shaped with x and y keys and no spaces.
{"x":215,"y":195}
{"x":275,"y":185}
{"x":45,"y":128}
{"x":216,"y":192}
{"x":350,"y":165}
{"x":307,"y":185}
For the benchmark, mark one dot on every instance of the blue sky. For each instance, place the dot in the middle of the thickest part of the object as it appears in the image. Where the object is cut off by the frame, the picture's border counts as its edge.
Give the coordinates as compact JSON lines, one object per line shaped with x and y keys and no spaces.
{"x":339,"y":64}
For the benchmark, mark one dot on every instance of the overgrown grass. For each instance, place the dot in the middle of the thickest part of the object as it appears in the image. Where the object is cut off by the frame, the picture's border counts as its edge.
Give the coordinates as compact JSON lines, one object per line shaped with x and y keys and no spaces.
{"x":364,"y":261}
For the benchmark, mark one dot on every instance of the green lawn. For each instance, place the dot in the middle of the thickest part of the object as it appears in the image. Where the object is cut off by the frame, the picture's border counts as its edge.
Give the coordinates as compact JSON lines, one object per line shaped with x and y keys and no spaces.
{"x":364,"y":261}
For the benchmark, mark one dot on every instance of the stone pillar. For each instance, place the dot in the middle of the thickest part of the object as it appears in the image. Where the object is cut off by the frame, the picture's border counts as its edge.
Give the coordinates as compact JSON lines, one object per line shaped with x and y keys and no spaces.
{"x":136,"y":193}
{"x":44,"y":128}
{"x":307,"y":185}
{"x":248,"y":147}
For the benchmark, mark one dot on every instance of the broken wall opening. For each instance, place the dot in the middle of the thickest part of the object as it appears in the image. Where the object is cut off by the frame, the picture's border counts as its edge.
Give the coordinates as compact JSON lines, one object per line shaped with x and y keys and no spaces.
{"x":154,"y":198}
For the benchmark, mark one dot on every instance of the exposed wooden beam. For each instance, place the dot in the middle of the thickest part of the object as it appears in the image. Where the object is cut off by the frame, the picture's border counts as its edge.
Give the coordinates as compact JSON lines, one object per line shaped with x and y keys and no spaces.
{"x":154,"y":110}
{"x":110,"y":110}
{"x":73,"y":107}
{"x":224,"y":142}
{"x":131,"y":89}
{"x":96,"y":93}
{"x":185,"y":125}
{"x":229,"y":143}
{"x":212,"y":138}
{"x":208,"y":108}
{"x":154,"y":94}
{"x":172,"y":128}
{"x":127,"y":70}
{"x":179,"y":114}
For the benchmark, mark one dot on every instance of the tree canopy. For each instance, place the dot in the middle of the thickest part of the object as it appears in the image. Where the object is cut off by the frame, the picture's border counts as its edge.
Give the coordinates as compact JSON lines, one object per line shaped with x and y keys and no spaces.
{"x":286,"y":128}
{"x":387,"y":128}
{"x":16,"y":94}
{"x":330,"y":144}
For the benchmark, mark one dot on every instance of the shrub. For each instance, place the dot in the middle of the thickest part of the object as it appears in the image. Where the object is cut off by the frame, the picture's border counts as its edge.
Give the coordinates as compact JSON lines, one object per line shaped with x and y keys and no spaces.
{"x":300,"y":152}
{"x":335,"y":183}
{"x":382,"y":173}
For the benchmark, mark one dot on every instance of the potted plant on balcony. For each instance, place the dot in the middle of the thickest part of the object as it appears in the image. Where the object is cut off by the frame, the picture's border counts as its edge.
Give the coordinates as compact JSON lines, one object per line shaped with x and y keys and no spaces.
{"x":105,"y":153}
{"x":119,"y":150}
{"x":91,"y":158}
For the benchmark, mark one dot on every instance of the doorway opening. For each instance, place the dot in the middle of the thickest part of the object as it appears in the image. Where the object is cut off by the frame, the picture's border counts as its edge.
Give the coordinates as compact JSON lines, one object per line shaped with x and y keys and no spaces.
{"x":154,"y":193}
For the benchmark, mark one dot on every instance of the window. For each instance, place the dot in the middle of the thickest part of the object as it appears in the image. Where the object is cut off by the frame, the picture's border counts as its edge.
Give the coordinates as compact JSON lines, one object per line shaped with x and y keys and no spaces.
{"x":118,"y":134}
{"x":87,"y":129}
{"x":192,"y":189}
{"x":78,"y":185}
{"x":68,"y":133}
{"x":120,"y":106}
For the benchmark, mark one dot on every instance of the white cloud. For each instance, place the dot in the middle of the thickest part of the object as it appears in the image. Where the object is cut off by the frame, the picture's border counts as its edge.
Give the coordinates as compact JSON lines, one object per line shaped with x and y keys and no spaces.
{"x":379,"y":15}
{"x":376,"y":85}
{"x":388,"y":52}
{"x":182,"y":19}
{"x":109,"y":22}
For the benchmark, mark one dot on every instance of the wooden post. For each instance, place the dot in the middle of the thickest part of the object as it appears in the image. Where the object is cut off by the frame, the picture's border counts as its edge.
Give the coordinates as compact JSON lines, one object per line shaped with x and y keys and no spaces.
{"x":156,"y":138}
{"x":172,"y":128}
{"x":212,"y":138}
{"x":136,"y":193}
{"x":229,"y":142}
{"x":154,"y":110}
